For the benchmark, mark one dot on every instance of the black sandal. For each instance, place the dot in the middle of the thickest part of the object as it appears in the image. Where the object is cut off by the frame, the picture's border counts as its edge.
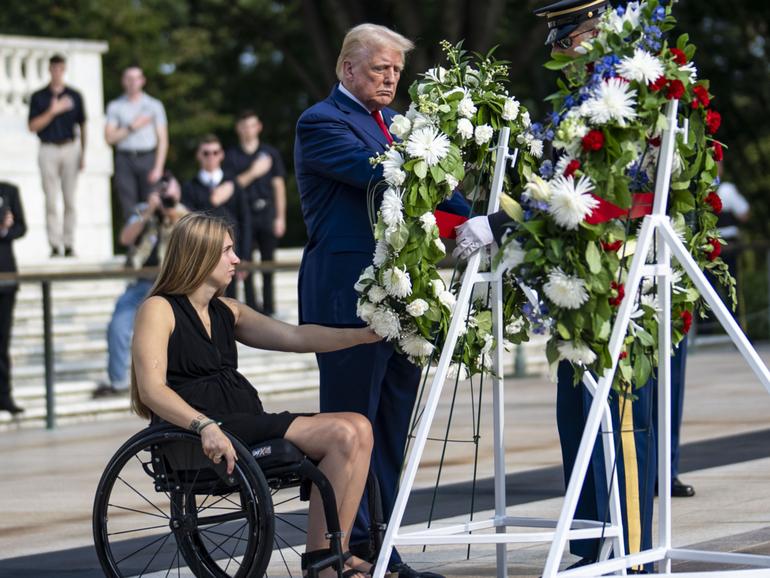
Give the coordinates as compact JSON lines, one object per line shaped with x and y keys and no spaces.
{"x":314,"y":557}
{"x":353,"y":570}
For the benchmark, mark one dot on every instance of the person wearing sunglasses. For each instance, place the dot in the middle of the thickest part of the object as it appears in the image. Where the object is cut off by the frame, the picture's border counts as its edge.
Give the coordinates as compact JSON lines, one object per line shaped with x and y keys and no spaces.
{"x":218,"y":193}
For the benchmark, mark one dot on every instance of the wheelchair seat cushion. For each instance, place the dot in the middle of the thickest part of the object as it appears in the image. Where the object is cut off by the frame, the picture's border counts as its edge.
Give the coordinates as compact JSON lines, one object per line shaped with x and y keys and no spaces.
{"x":276,"y":453}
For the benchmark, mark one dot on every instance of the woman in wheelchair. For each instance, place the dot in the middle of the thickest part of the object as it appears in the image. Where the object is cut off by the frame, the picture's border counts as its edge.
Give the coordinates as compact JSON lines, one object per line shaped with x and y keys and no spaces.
{"x":185,"y":373}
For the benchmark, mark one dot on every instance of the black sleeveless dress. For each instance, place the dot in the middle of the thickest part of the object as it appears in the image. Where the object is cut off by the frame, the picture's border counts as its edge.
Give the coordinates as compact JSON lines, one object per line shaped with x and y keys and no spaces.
{"x":203,"y":371}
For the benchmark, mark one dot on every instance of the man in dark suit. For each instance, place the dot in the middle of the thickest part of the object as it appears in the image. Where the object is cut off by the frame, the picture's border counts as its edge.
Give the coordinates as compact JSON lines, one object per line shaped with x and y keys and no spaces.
{"x":12,"y":226}
{"x":335,"y":140}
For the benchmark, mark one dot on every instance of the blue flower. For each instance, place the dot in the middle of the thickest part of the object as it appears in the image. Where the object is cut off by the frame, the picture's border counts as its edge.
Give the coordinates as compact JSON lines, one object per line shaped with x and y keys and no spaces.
{"x":546,"y":169}
{"x":555,"y":120}
{"x":620,"y":10}
{"x":659,"y":14}
{"x":569,"y":102}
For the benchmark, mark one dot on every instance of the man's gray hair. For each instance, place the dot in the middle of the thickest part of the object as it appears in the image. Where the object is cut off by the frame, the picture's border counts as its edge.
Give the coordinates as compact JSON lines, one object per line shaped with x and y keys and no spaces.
{"x":361,"y":40}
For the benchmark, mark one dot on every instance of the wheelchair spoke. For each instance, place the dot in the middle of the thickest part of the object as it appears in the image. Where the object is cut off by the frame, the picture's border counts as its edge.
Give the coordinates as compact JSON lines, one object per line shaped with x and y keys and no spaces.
{"x":214,"y":505}
{"x":219,"y":545}
{"x":137,"y":511}
{"x":283,"y":558}
{"x":210,"y":531}
{"x":235,"y":546}
{"x":155,"y":555}
{"x":286,"y":501}
{"x":135,"y":552}
{"x":138,"y":493}
{"x":137,"y":530}
{"x":171,"y":566}
{"x":292,"y":548}
{"x":288,"y":523}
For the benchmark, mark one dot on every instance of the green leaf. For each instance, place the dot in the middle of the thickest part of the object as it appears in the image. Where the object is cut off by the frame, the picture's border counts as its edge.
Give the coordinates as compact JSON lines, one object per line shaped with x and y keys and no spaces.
{"x":593,"y":258}
{"x":563,"y":331}
{"x":421,"y":169}
{"x":642,"y":370}
{"x":437,"y":173}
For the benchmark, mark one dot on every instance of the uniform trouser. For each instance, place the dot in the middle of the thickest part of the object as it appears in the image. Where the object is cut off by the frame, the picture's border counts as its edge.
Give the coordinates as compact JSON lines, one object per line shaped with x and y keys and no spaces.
{"x":381,"y":384}
{"x":7,"y":301}
{"x":59,"y":166}
{"x":120,"y":329}
{"x":636,"y":461}
{"x":131,"y":170}
{"x":678,"y":366}
{"x":265,"y":241}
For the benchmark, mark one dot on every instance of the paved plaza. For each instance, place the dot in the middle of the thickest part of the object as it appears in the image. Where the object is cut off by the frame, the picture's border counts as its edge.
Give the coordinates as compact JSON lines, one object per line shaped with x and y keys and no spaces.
{"x":49,"y":477}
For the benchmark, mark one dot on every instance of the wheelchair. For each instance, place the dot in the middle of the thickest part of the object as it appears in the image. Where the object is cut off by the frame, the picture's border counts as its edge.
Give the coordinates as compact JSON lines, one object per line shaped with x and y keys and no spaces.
{"x":162,"y":508}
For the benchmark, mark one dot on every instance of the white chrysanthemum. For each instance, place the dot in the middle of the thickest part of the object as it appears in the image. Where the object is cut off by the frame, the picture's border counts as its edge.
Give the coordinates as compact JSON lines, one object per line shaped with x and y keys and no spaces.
{"x":416,"y":346}
{"x":417,"y":119}
{"x":365,"y":310}
{"x":466,"y":108}
{"x":397,"y":282}
{"x":428,"y":144}
{"x":483,"y":134}
{"x":456,"y":370}
{"x":428,"y":221}
{"x":513,"y":255}
{"x":564,"y":290}
{"x":376,"y":294}
{"x":690,"y":69}
{"x":616,"y":23}
{"x":391,"y":166}
{"x":536,"y":148}
{"x":571,"y":202}
{"x":437,"y":287}
{"x":392,"y":209}
{"x":614,"y":100}
{"x":447,"y":299}
{"x":367,"y":275}
{"x":380,"y":253}
{"x":538,"y":188}
{"x":465,"y":128}
{"x":576,"y":353}
{"x":400,"y":126}
{"x":439,"y":245}
{"x":489,"y":343}
{"x":641,"y":67}
{"x":451,"y":182}
{"x":385,"y":323}
{"x":417,"y":308}
{"x":510,"y":109}
{"x":525,"y":119}
{"x":514,"y":326}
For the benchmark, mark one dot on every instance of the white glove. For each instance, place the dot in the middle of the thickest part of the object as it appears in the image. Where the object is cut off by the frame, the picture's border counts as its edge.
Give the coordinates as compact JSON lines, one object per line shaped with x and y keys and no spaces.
{"x":472,"y":235}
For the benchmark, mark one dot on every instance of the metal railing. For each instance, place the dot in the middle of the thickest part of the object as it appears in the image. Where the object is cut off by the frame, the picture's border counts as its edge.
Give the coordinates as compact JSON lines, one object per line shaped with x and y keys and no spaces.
{"x":46,"y":279}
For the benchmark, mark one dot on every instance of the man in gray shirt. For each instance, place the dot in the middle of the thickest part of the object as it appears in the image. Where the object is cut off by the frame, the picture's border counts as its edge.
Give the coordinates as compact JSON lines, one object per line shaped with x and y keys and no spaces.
{"x":137,"y":128}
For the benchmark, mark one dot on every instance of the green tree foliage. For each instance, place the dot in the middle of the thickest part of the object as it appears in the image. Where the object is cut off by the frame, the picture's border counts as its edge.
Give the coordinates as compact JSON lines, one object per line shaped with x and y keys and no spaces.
{"x":207,"y":59}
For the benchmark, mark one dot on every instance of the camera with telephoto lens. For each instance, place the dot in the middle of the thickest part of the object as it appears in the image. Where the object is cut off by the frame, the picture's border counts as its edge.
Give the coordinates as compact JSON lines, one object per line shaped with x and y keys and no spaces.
{"x":168,"y":201}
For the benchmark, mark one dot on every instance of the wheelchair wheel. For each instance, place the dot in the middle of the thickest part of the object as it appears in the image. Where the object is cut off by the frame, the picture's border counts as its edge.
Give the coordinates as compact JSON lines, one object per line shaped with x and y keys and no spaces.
{"x":163,"y":509}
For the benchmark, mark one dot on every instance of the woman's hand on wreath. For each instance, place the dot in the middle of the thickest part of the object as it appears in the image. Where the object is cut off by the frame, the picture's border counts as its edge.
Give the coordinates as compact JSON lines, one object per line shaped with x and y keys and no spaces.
{"x":217,"y":446}
{"x":472,"y":235}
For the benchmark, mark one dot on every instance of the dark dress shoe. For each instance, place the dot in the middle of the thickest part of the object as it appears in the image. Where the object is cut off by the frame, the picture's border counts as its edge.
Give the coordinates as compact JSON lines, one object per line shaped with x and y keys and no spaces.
{"x":7,"y":404}
{"x":405,"y":571}
{"x":681,"y":490}
{"x":69,"y":252}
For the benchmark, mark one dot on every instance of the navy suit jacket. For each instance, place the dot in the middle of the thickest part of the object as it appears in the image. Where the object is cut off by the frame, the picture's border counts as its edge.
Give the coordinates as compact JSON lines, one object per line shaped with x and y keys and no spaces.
{"x":335,"y":140}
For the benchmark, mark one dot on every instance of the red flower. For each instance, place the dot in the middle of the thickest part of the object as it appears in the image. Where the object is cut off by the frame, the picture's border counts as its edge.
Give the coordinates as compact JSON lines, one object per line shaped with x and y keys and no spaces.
{"x":573,"y":165}
{"x":593,"y":141}
{"x":716,"y":249}
{"x":701,"y":97}
{"x":716,"y":203}
{"x":713,"y":120}
{"x":655,"y":141}
{"x":658,"y":84}
{"x":718,"y":152}
{"x":620,"y":293}
{"x":611,"y":247}
{"x":675,"y":89}
{"x":686,"y":321}
{"x":679,"y":57}
{"x":623,"y":355}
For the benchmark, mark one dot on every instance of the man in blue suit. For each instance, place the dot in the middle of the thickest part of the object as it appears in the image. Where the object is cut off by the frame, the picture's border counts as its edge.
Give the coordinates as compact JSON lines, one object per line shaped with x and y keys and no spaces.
{"x":334,"y":142}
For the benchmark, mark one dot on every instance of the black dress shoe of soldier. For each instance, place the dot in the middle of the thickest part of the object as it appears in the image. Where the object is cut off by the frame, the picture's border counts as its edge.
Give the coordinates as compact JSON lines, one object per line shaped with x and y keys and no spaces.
{"x":405,"y":571}
{"x":7,"y":404}
{"x":681,"y":490}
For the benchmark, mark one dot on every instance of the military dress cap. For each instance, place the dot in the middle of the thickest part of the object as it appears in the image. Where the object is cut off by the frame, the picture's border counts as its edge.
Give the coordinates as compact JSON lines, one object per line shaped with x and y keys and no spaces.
{"x":566,"y":15}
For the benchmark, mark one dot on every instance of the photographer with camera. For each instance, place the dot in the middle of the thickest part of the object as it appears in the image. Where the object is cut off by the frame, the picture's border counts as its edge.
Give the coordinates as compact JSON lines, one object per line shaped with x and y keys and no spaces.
{"x":145,"y":235}
{"x":12,"y":226}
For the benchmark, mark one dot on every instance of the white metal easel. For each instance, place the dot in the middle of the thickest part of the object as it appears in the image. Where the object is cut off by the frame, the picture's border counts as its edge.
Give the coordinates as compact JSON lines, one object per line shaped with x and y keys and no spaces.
{"x":655,"y":226}
{"x":543,"y":530}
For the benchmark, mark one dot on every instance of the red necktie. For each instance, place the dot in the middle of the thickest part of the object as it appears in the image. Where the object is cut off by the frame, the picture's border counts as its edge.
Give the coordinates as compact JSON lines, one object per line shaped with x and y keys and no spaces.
{"x":377,"y":115}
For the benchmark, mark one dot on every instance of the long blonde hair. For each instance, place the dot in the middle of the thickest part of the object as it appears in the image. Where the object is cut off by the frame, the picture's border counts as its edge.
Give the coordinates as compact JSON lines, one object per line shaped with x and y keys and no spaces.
{"x":193,"y":252}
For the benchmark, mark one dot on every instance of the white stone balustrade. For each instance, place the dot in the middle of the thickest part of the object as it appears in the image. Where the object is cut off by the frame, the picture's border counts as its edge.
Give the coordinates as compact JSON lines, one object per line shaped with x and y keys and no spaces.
{"x":23,"y":70}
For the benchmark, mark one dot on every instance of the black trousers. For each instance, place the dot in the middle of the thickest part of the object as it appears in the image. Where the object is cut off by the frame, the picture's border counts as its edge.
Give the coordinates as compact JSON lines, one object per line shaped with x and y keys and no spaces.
{"x":7,"y":302}
{"x":266,"y":243}
{"x":131,"y":170}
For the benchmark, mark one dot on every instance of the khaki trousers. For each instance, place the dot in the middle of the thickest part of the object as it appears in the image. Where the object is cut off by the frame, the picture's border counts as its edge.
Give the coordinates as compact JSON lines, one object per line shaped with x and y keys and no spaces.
{"x":59,"y":166}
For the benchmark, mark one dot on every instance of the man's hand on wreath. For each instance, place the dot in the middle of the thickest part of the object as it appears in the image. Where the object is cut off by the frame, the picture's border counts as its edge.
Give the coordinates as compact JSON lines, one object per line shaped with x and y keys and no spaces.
{"x":472,"y":235}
